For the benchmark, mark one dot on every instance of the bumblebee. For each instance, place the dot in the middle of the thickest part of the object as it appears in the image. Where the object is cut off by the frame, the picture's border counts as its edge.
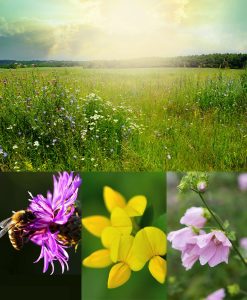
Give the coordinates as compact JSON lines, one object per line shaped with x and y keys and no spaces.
{"x":16,"y":227}
{"x":69,"y":234}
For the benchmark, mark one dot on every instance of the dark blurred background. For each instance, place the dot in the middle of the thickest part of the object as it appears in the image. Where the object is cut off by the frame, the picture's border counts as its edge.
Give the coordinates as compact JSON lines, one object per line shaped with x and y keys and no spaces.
{"x":20,"y":277}
{"x":141,"y":285}
{"x":230,"y":203}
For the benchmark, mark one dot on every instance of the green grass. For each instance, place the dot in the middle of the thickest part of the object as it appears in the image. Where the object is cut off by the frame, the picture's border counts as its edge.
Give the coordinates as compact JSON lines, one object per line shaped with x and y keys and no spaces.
{"x":143,"y":119}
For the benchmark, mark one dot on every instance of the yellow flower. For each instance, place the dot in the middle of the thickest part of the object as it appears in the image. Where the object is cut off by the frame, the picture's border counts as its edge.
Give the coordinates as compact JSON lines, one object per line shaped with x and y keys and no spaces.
{"x":120,"y":213}
{"x":119,"y":219}
{"x":149,"y":245}
{"x":121,"y":253}
{"x":102,"y":258}
{"x":134,"y":207}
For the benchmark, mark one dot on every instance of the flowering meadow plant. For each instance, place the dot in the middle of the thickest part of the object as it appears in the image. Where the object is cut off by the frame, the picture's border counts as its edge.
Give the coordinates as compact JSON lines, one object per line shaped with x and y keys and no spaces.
{"x":52,"y":222}
{"x":206,"y":239}
{"x":52,"y":213}
{"x":126,"y":246}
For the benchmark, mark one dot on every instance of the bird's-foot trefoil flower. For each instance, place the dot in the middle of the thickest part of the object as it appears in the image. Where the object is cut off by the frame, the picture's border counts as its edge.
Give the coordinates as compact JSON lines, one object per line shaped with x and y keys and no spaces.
{"x":150,"y":245}
{"x":121,"y":212}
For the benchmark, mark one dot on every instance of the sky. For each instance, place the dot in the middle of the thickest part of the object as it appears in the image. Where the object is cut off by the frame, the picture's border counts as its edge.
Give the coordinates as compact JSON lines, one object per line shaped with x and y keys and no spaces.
{"x":120,"y":29}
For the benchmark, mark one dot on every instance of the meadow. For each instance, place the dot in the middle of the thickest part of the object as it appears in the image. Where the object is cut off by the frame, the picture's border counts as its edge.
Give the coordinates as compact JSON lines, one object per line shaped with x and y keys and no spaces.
{"x":123,"y":119}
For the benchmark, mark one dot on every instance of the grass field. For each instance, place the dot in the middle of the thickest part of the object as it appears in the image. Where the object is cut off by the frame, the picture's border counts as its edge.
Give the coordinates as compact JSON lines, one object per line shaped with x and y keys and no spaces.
{"x":123,"y":119}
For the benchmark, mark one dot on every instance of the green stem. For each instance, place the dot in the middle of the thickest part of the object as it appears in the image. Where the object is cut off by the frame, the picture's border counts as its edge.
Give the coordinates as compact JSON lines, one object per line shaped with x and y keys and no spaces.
{"x":222,"y":228}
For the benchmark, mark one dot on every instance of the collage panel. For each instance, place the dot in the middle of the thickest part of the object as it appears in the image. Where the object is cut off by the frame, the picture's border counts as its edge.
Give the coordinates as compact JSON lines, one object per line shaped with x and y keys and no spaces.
{"x":132,"y":266}
{"x":33,"y":240}
{"x":207,"y":249}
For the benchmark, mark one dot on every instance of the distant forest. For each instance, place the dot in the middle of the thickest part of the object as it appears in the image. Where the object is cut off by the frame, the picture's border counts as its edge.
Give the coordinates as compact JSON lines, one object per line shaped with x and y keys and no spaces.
{"x":228,"y":60}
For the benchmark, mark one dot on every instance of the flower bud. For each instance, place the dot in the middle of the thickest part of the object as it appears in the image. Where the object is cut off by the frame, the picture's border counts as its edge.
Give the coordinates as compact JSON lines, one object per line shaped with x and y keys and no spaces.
{"x":202,"y":186}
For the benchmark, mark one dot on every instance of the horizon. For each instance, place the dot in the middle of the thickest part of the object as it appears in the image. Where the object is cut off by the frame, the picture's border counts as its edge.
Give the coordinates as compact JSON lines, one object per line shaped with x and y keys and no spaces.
{"x":125,"y":59}
{"x":120,"y":29}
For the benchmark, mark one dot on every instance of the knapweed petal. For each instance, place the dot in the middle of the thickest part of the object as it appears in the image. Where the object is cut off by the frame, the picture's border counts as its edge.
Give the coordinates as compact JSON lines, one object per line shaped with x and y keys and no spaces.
{"x":113,"y":199}
{"x":96,"y":224}
{"x":217,"y":295}
{"x":194,"y":216}
{"x":121,"y":221}
{"x":136,"y":206}
{"x":157,"y":267}
{"x":119,"y":274}
{"x":98,"y":259}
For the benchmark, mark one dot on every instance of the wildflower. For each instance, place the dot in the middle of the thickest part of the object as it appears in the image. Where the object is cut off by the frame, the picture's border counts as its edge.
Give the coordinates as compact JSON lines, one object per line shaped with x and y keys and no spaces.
{"x":150,"y":245}
{"x":36,"y":143}
{"x":243,"y":243}
{"x":119,"y":219}
{"x":50,"y":211}
{"x":194,"y":216}
{"x":120,"y":212}
{"x":179,"y":238}
{"x":214,"y":248}
{"x":242,"y":181}
{"x":121,"y":271}
{"x":15,"y":147}
{"x":202,"y":186}
{"x":217,"y":295}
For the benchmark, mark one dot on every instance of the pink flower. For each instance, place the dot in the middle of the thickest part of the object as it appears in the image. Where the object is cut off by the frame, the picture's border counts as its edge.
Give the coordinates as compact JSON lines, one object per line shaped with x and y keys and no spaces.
{"x":217,"y":295}
{"x":194,"y":217}
{"x":190,"y":254}
{"x":179,"y":238}
{"x":214,"y":248}
{"x":243,"y":243}
{"x":242,"y":181}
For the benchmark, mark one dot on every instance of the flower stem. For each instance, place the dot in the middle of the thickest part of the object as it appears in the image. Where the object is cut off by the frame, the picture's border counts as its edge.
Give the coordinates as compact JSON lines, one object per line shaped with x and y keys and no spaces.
{"x":222,"y":228}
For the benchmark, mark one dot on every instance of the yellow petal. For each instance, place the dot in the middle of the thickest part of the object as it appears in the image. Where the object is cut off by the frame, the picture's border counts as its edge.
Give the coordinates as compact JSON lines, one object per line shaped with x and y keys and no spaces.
{"x":157,"y":267}
{"x":109,"y":235}
{"x":113,"y":199}
{"x":148,"y":242}
{"x":119,"y":274}
{"x":136,"y":206}
{"x":98,"y":259}
{"x":121,"y":249}
{"x":96,"y":224}
{"x":121,"y":221}
{"x":125,"y":246}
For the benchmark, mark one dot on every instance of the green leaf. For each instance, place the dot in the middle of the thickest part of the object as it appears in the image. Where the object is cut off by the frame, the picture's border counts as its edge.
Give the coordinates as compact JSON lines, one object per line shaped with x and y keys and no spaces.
{"x":231,"y":235}
{"x":160,"y":222}
{"x":147,"y":217}
{"x":226,"y":224}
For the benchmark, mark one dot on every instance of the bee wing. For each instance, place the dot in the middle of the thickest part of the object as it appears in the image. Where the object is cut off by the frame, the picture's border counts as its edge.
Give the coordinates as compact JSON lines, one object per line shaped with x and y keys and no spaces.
{"x":5,"y":222}
{"x":5,"y":225}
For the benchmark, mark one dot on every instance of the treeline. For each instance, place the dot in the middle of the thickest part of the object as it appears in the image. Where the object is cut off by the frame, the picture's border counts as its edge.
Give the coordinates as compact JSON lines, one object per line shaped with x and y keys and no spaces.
{"x":217,"y":60}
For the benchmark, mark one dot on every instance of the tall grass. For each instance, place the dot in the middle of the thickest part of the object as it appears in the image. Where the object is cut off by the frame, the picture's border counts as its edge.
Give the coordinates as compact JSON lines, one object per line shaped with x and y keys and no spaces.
{"x":147,"y":119}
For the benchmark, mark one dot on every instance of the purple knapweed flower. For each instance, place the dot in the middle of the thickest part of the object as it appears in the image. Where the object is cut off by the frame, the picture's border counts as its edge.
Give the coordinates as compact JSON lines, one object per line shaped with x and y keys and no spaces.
{"x":194,"y":216}
{"x":179,"y":238}
{"x":243,"y":243}
{"x":214,"y":248}
{"x":217,"y":295}
{"x":51,"y":211}
{"x":242,"y":181}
